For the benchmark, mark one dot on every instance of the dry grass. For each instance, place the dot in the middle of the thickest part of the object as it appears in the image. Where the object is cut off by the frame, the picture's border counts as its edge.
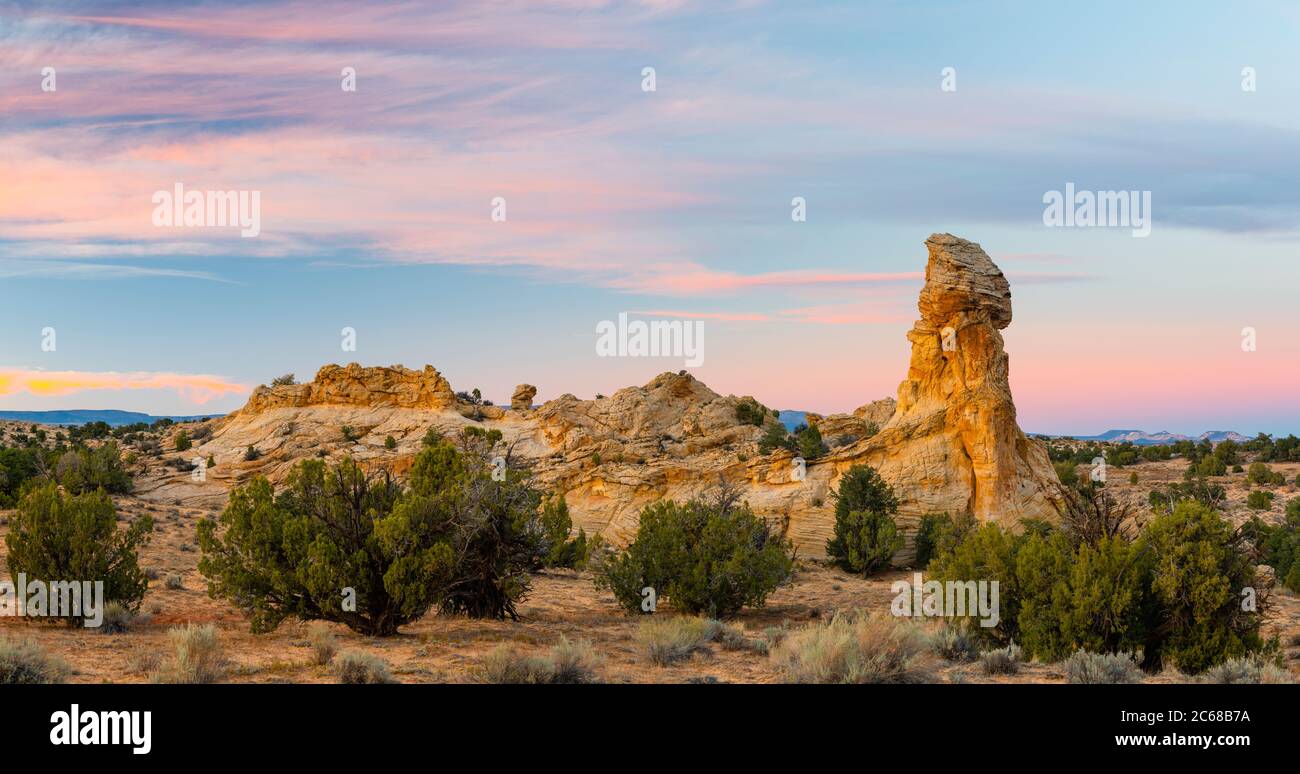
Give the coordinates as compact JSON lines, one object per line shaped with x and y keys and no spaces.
{"x":1084,"y":668}
{"x":196,"y":657}
{"x":24,"y":662}
{"x":356,"y":667}
{"x":568,"y":663}
{"x":1003,"y":661}
{"x":856,"y":648}
{"x":665,"y":641}
{"x":323,"y":643}
{"x":1246,"y":671}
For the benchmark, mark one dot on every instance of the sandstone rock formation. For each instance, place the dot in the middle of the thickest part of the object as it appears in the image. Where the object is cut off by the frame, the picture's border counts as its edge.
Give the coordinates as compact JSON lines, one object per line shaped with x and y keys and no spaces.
{"x":949,"y":443}
{"x":522,"y":399}
{"x":353,"y":385}
{"x":953,"y":445}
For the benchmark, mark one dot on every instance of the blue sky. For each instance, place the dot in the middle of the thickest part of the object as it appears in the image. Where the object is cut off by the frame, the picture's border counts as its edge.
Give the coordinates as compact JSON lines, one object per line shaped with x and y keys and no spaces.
{"x":671,"y":203}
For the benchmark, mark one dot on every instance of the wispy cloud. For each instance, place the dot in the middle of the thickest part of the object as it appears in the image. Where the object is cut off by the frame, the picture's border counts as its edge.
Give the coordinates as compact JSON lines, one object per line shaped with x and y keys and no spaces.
{"x":197,"y":388}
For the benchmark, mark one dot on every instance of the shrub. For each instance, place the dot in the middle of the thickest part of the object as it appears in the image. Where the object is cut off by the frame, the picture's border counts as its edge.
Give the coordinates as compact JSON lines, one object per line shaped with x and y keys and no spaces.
{"x":1259,"y":500}
{"x":987,"y":553}
{"x":357,"y":667}
{"x":23,"y":662}
{"x":665,"y":641}
{"x":855,"y":649}
{"x":82,"y":470}
{"x":939,"y":533}
{"x":1084,"y":668}
{"x":734,"y":638}
{"x":569,"y":663}
{"x":1199,"y":566}
{"x":556,"y":524}
{"x":390,"y":443}
{"x":1003,"y":661}
{"x":283,"y":381}
{"x":951,"y":643}
{"x":710,"y":556}
{"x":196,"y":657}
{"x":17,"y":467}
{"x":1092,"y":598}
{"x":1280,"y":545}
{"x":252,"y":453}
{"x":866,"y":536}
{"x":454,"y":538}
{"x":174,"y":583}
{"x":750,"y":412}
{"x":809,"y":442}
{"x":1247,"y":671}
{"x":55,"y":537}
{"x":349,"y":434}
{"x":323,"y":643}
{"x":117,"y":619}
{"x":1262,"y":475}
{"x":775,"y":437}
{"x":182,"y":441}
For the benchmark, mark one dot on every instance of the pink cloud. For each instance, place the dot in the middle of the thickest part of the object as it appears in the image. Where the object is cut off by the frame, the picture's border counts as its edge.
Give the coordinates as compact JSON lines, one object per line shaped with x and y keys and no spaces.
{"x":198,"y":388}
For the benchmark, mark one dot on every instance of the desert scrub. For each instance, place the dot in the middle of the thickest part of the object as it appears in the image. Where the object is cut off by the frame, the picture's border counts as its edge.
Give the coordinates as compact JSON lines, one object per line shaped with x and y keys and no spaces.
{"x":1084,"y":668}
{"x":950,"y":643}
{"x":118,"y":619}
{"x":1247,"y":671}
{"x":23,"y":662}
{"x":734,"y":638}
{"x":855,"y":649}
{"x":1003,"y":661}
{"x":357,"y":667}
{"x":709,"y":556}
{"x":196,"y":657}
{"x":569,"y":663}
{"x":323,"y":643}
{"x":666,"y":641}
{"x":452,"y":536}
{"x":61,"y":536}
{"x":865,"y":533}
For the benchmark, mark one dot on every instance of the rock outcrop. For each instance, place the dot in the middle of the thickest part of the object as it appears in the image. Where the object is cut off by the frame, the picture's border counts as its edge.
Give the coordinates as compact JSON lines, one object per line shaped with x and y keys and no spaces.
{"x":949,"y":443}
{"x":522,"y":399}
{"x":353,"y":385}
{"x":952,"y":444}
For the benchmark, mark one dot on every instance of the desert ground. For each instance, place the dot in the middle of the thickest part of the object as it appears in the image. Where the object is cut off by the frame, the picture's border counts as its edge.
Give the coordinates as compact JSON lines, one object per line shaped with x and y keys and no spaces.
{"x":438,"y":649}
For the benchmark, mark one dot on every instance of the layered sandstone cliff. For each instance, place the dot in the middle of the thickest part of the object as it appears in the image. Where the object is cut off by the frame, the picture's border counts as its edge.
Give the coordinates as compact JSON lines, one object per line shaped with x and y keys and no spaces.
{"x":949,"y":443}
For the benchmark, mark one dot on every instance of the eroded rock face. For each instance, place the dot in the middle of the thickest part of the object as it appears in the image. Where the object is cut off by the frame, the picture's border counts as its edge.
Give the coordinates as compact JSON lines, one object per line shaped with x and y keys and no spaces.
{"x":952,"y":444}
{"x":522,"y":399}
{"x":949,"y":443}
{"x":353,"y":385}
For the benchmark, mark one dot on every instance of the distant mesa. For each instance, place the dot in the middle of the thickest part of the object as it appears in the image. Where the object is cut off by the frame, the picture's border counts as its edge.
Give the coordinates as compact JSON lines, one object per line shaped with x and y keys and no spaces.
{"x":112,"y":417}
{"x":1143,"y":438}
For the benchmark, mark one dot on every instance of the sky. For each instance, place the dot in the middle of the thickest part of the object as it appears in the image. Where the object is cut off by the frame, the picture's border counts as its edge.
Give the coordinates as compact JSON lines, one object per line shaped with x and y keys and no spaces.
{"x":381,"y":207}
